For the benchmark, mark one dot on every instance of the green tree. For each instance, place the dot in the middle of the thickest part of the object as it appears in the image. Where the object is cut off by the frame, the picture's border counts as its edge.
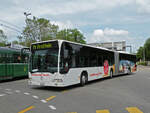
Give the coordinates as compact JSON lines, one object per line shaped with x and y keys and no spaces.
{"x":15,"y":42}
{"x":73,"y":35}
{"x":147,"y":49}
{"x":3,"y":38}
{"x":139,"y":54}
{"x":144,"y":51}
{"x":38,"y":29}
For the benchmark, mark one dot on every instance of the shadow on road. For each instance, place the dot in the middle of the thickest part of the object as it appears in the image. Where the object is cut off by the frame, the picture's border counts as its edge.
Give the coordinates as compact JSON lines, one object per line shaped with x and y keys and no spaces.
{"x":13,"y":79}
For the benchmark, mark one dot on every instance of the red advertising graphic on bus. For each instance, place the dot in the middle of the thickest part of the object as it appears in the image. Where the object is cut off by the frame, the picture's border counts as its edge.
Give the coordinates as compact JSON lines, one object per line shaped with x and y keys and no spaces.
{"x":106,"y":67}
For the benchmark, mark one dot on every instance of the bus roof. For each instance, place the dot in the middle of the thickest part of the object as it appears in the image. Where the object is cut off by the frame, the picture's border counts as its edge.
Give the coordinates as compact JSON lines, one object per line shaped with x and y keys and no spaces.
{"x":123,"y":52}
{"x":75,"y":43}
{"x":8,"y":50}
{"x":102,"y":48}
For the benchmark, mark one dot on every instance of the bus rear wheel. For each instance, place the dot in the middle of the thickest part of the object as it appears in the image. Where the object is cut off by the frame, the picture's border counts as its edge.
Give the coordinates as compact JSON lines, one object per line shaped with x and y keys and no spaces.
{"x":111,"y":74}
{"x":129,"y":71}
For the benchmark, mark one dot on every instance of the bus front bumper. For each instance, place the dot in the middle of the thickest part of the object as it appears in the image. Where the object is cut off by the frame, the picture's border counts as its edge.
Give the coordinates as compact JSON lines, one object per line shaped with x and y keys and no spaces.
{"x":46,"y":83}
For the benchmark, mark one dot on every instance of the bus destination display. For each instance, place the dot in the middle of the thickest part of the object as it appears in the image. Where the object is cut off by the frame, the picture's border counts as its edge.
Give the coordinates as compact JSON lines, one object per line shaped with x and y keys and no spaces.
{"x":41,"y":46}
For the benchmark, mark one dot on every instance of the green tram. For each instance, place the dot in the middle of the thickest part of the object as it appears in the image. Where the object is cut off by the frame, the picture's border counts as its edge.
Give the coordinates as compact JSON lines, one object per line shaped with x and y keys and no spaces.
{"x":13,"y":63}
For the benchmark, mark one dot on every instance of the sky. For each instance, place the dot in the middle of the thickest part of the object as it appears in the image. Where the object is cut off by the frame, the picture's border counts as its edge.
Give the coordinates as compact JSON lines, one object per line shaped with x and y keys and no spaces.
{"x":98,"y":20}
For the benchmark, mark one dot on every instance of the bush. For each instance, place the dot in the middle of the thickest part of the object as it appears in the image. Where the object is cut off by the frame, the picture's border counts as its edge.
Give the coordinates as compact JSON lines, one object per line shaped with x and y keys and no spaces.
{"x":142,"y":63}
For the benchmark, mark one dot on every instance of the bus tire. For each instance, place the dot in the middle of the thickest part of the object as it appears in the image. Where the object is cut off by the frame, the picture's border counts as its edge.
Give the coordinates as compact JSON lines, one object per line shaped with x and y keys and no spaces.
{"x":83,"y":79}
{"x":111,"y":73}
{"x":129,"y":71}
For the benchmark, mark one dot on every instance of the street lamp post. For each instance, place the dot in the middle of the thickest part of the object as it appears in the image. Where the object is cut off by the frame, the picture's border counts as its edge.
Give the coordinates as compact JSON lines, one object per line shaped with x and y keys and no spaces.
{"x":26,"y":14}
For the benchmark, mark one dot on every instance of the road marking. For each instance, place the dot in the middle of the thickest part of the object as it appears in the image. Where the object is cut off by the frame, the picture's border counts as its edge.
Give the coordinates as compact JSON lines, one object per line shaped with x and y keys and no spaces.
{"x":72,"y":112}
{"x":8,"y":89}
{"x":44,"y":101}
{"x":2,"y":95}
{"x":34,"y":96}
{"x":102,"y":111}
{"x":50,"y":98}
{"x":52,"y":107}
{"x":27,"y":93}
{"x":133,"y":110}
{"x":9,"y":92}
{"x":27,"y":109}
{"x":17,"y":91}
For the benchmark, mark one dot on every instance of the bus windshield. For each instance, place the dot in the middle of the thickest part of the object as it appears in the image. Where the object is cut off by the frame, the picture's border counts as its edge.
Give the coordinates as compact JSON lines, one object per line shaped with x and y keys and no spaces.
{"x":44,"y":60}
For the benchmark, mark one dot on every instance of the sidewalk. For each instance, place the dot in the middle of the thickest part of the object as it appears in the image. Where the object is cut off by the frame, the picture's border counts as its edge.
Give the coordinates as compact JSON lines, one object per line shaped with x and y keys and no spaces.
{"x":141,"y":67}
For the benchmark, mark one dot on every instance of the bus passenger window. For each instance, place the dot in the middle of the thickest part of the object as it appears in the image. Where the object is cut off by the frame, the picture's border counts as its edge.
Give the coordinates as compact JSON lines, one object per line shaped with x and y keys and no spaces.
{"x":100,"y":61}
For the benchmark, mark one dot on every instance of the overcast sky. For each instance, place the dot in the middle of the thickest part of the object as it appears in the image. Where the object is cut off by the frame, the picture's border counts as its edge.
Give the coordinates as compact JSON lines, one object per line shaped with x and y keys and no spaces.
{"x":98,"y":20}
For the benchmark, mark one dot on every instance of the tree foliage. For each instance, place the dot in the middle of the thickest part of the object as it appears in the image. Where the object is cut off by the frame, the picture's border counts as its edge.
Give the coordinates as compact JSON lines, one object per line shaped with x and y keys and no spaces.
{"x":147,"y":49}
{"x":3,"y":38}
{"x":73,"y":35}
{"x":144,"y":51}
{"x":40,"y":29}
{"x":139,"y":54}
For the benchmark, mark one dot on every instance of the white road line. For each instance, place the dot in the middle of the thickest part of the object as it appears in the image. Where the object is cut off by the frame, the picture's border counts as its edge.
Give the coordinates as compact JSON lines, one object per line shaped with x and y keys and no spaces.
{"x":34,"y":96}
{"x":2,"y":95}
{"x":17,"y":91}
{"x":9,"y":92}
{"x":26,"y":93}
{"x":52,"y":107}
{"x":8,"y":89}
{"x":44,"y":101}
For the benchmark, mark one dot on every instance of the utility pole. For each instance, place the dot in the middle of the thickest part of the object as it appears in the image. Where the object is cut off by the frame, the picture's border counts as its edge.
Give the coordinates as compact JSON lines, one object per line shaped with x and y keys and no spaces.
{"x":26,"y":14}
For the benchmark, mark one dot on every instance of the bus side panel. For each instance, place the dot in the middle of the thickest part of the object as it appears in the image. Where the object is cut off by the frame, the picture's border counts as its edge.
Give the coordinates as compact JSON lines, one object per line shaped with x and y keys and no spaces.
{"x":116,"y":63}
{"x":72,"y":77}
{"x":74,"y":74}
{"x":2,"y":71}
{"x":20,"y":70}
{"x":9,"y":70}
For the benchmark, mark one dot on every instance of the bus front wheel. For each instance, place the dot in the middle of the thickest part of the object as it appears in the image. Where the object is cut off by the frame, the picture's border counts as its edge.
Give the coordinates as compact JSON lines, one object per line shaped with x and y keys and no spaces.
{"x":83,"y":80}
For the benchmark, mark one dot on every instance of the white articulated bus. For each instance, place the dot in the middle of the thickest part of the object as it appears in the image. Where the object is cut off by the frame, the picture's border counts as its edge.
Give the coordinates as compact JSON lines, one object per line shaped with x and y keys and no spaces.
{"x":62,"y":63}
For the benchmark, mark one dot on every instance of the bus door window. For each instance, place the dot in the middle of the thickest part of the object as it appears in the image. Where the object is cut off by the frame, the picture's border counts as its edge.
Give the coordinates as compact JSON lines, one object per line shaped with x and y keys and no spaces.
{"x":82,"y":61}
{"x":19,"y":59}
{"x":2,"y":58}
{"x":100,"y":60}
{"x":39,"y":62}
{"x":67,"y":58}
{"x":73,"y":56}
{"x":8,"y":58}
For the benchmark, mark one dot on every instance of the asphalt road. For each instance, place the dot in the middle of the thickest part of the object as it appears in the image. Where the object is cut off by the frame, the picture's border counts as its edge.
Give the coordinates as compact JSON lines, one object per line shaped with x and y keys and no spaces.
{"x":122,"y":94}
